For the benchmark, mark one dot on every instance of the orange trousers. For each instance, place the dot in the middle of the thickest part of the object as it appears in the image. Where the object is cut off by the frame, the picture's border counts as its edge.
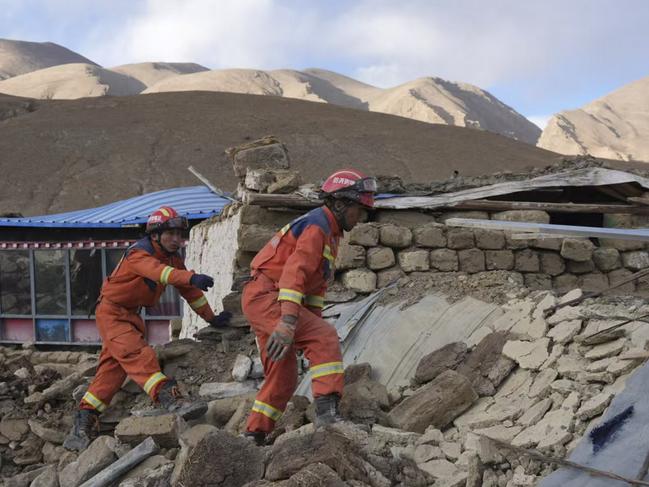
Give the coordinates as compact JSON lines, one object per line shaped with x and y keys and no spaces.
{"x":124,"y":352}
{"x":313,"y":335}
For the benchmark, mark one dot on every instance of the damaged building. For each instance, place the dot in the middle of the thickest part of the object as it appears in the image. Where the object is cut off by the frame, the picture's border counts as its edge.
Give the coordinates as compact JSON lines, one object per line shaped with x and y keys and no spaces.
{"x":474,"y":355}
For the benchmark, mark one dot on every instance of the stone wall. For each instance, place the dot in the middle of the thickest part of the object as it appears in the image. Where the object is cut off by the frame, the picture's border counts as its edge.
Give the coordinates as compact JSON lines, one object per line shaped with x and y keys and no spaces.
{"x":401,"y":242}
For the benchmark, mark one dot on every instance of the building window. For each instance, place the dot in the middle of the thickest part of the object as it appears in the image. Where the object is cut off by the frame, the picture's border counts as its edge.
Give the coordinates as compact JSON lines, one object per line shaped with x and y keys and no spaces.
{"x":49,"y":282}
{"x":15,"y":283}
{"x":85,"y":280}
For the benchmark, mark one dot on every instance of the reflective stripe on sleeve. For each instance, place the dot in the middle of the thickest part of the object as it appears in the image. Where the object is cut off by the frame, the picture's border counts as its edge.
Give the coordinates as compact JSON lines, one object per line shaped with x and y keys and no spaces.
{"x":290,"y":295}
{"x":326,"y":253}
{"x":164,"y":275}
{"x":202,"y":301}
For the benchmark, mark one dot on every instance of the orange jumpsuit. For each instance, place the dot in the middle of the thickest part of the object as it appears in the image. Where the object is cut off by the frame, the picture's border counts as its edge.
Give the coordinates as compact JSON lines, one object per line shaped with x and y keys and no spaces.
{"x":290,"y":276}
{"x":138,"y":280}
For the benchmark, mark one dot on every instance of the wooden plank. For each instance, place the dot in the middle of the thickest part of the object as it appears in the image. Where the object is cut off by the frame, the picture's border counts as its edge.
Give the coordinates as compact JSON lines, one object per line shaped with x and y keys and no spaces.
{"x":279,"y":200}
{"x":496,"y":205}
{"x":535,"y":229}
{"x":638,"y":200}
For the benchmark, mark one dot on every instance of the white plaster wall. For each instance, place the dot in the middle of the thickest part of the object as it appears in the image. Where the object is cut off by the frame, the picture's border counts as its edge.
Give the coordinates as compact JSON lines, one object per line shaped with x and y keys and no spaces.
{"x":212,"y":250}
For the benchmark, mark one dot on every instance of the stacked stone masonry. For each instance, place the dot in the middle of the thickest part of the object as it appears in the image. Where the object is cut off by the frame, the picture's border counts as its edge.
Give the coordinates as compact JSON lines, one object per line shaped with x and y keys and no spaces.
{"x":397,"y":243}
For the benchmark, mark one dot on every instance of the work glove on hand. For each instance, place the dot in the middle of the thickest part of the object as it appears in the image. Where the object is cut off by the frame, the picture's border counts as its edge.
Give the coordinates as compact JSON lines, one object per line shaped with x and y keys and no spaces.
{"x":281,"y":339}
{"x":222,"y":320}
{"x":201,"y":281}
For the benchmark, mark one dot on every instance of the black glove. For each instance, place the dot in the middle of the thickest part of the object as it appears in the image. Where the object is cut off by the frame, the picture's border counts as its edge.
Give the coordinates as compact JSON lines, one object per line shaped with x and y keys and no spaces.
{"x":221,"y":320}
{"x":201,"y":281}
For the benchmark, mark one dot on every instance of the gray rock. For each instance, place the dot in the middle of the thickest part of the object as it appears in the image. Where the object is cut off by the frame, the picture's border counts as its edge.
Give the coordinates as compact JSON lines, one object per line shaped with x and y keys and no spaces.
{"x":579,"y":250}
{"x":471,"y":260}
{"x":533,"y":216}
{"x":607,"y":259}
{"x":552,"y":263}
{"x":489,"y":239}
{"x":164,"y":429}
{"x":360,"y":280}
{"x":445,"y":260}
{"x":437,"y":403}
{"x":91,"y":461}
{"x":220,"y":390}
{"x":429,"y":235}
{"x":365,"y":234}
{"x":527,"y":261}
{"x":460,"y":238}
{"x":241,"y":367}
{"x":499,"y":260}
{"x":433,"y":364}
{"x":414,"y":260}
{"x":380,"y":258}
{"x":394,"y":236}
{"x":635,"y":261}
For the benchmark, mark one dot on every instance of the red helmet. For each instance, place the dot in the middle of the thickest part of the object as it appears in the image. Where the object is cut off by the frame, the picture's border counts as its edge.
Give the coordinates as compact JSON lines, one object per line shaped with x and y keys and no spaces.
{"x":165,"y":218}
{"x":351,"y":184}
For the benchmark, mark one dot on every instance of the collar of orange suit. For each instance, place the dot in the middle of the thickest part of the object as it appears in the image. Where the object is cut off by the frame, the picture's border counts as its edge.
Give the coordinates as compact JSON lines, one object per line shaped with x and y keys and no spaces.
{"x":161,"y":253}
{"x":335,"y":227}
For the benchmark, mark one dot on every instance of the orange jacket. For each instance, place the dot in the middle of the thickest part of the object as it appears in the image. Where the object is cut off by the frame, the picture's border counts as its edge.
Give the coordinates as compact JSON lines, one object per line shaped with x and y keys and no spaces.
{"x":143,"y":273}
{"x":300,"y":260}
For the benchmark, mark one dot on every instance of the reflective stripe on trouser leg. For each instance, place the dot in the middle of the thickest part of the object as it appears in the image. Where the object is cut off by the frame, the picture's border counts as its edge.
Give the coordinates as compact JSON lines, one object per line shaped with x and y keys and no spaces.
{"x":329,"y":368}
{"x":267,"y":410}
{"x":153,"y":381}
{"x":94,"y":401}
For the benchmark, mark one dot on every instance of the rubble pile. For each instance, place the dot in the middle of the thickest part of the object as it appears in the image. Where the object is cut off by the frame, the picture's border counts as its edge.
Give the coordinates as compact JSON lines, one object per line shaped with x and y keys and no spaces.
{"x":529,"y":380}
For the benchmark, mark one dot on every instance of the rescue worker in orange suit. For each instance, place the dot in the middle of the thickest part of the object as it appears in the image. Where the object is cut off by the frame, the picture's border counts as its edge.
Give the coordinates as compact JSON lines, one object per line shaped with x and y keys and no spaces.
{"x":140,"y":278}
{"x":284,"y":299}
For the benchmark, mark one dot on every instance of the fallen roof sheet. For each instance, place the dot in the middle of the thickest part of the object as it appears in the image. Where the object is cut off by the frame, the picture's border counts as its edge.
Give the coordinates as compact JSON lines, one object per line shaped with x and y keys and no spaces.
{"x":193,"y":202}
{"x":394,"y":340}
{"x":627,"y":448}
{"x":580,"y":177}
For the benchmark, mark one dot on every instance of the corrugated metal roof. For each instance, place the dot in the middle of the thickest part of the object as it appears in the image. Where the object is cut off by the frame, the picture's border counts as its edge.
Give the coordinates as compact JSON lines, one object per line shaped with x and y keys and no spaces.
{"x":194,"y":202}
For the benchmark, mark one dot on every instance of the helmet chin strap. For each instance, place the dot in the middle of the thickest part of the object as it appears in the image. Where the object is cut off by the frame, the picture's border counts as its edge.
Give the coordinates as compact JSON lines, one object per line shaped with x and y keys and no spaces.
{"x":340,"y":214}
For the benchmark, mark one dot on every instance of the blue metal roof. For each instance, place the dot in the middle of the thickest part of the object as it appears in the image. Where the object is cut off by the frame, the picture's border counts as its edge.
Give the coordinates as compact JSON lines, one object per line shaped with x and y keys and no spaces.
{"x":194,"y":202}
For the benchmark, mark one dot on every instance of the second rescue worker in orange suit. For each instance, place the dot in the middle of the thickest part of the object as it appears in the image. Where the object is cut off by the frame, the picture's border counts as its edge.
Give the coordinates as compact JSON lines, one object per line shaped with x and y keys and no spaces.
{"x":284,"y":299}
{"x":139,"y":280}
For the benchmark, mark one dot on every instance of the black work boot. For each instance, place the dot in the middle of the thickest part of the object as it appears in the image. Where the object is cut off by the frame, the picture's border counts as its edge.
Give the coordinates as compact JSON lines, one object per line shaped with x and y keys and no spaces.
{"x":259,"y":437}
{"x":172,"y":400}
{"x":326,"y":410}
{"x":84,"y":430}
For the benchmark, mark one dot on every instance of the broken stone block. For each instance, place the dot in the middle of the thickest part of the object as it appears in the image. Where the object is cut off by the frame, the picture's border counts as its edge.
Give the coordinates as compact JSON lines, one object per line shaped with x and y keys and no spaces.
{"x":485,"y":366}
{"x":285,"y":182}
{"x":445,"y":260}
{"x":350,"y":256}
{"x":534,"y":414}
{"x":380,"y":258}
{"x":394,"y":236}
{"x":471,"y":260}
{"x":414,"y":260}
{"x":439,"y":469}
{"x":527,"y":261}
{"x":593,"y":282}
{"x":430,"y":235}
{"x":48,"y":478}
{"x":607,"y":259}
{"x":164,"y":429}
{"x":460,"y":238}
{"x":432,"y":436}
{"x":538,"y":281}
{"x":578,"y":250}
{"x":424,"y":453}
{"x":266,"y":153}
{"x":360,"y":280}
{"x":532,"y":216}
{"x":356,"y":372}
{"x":24,"y":479}
{"x":489,"y":239}
{"x":253,"y":237}
{"x":529,"y":355}
{"x":364,"y":401}
{"x":552,"y":263}
{"x":565,"y":331}
{"x":13,"y":428}
{"x":241,"y":367}
{"x":220,"y":390}
{"x":546,"y":243}
{"x":388,"y":276}
{"x":365,"y":234}
{"x":594,"y":406}
{"x":451,"y":450}
{"x":564,"y":282}
{"x":635,"y":261}
{"x":484,"y":448}
{"x":53,"y":435}
{"x":580,"y":267}
{"x":433,"y":364}
{"x":219,"y":411}
{"x":437,"y":403}
{"x":606,"y":350}
{"x":220,"y":459}
{"x":499,"y":260}
{"x":258,"y":179}
{"x":144,"y":469}
{"x":555,"y":429}
{"x":318,"y":475}
{"x":618,"y":275}
{"x":91,"y":461}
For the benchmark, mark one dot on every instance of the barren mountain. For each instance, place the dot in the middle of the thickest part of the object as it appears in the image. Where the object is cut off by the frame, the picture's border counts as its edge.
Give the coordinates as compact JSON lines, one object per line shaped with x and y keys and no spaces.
{"x":615,"y":126}
{"x":151,"y":73}
{"x":70,"y":81}
{"x":20,"y":57}
{"x":66,"y":155}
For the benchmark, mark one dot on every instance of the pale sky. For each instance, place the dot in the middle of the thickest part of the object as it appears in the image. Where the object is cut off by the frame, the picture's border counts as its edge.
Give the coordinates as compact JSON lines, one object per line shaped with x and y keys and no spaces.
{"x":538,"y":56}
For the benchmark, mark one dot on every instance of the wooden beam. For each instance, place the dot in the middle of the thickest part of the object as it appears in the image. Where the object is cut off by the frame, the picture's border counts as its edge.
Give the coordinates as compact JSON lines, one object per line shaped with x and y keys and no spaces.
{"x":279,"y":200}
{"x":495,"y":205}
{"x":638,"y":200}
